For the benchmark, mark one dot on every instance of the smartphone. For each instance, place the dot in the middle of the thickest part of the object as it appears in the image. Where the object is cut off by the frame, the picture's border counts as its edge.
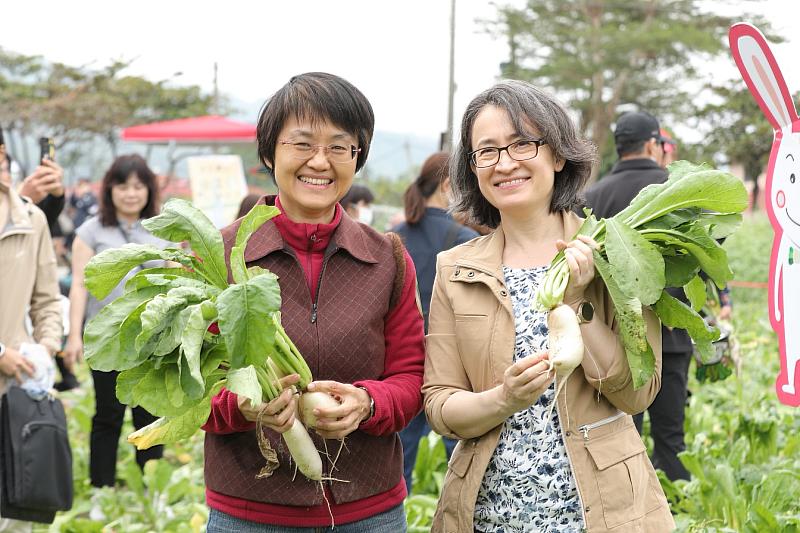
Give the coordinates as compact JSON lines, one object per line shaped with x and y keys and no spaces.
{"x":47,"y":149}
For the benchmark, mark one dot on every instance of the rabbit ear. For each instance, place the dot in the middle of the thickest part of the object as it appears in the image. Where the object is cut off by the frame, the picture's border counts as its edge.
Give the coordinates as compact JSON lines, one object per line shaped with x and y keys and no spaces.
{"x":761,"y":74}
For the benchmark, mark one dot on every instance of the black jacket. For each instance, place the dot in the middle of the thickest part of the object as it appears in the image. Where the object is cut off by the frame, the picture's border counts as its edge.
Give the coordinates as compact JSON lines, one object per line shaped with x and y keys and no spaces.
{"x":436,"y":231}
{"x":613,"y":193}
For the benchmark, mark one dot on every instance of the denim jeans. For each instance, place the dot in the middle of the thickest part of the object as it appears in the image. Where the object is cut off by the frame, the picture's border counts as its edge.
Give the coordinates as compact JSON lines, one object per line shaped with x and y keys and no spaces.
{"x":391,"y":521}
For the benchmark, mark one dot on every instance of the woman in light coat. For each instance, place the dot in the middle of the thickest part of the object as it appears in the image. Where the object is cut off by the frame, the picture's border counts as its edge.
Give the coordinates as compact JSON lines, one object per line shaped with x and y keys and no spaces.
{"x":519,"y":168}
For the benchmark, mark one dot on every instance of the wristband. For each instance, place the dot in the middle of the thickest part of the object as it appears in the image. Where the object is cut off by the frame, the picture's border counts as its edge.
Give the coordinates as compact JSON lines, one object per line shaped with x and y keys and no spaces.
{"x":2,"y":349}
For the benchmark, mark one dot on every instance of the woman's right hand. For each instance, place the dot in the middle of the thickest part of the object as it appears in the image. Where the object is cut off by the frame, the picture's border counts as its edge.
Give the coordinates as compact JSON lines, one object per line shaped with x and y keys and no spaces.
{"x":525,"y":381}
{"x":73,"y":351}
{"x":279,"y":414}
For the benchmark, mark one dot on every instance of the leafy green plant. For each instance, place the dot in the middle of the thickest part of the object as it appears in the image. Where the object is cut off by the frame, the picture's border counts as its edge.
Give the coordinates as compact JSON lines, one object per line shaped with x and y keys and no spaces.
{"x":185,"y":330}
{"x":664,"y":238}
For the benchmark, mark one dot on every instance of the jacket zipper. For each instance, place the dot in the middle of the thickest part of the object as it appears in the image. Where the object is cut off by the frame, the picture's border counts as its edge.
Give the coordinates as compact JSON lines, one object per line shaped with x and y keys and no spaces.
{"x":319,"y":283}
{"x":586,"y":428}
{"x":27,"y":429}
{"x":569,"y":457}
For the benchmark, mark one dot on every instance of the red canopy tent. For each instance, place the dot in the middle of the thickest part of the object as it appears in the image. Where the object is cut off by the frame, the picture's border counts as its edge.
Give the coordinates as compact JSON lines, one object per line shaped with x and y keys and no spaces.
{"x":208,"y":129}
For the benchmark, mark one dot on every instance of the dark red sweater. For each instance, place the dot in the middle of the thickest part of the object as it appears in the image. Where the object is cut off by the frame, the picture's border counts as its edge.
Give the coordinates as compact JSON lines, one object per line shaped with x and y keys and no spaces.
{"x":396,"y":397}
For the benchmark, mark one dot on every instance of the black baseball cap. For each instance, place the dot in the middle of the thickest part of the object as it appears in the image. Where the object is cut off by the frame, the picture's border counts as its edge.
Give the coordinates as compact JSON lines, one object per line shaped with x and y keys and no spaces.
{"x":637,"y":126}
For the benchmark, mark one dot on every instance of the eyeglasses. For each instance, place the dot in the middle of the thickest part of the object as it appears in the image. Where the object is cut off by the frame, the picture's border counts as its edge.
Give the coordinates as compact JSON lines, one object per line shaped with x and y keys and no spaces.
{"x":335,"y":153}
{"x":521,"y":150}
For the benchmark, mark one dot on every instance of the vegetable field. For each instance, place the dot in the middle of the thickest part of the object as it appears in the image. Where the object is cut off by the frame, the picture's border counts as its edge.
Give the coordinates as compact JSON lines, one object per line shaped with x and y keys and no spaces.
{"x":743,"y":448}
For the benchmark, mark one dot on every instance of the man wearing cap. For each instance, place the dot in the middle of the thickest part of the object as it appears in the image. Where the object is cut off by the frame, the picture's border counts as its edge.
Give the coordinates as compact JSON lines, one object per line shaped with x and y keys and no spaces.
{"x":640,"y":150}
{"x":640,"y":147}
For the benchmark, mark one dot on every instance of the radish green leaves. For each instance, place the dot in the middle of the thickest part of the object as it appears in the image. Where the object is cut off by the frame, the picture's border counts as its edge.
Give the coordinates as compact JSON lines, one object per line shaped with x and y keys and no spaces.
{"x":665,"y":238}
{"x":178,"y":335}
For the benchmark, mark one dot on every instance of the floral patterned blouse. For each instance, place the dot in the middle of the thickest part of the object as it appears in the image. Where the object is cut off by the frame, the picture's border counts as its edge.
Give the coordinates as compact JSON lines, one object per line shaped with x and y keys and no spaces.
{"x":528,"y":485}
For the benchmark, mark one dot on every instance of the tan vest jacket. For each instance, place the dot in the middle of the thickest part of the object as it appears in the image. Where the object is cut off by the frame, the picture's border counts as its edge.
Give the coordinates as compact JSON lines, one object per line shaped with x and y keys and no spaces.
{"x":471,"y":343}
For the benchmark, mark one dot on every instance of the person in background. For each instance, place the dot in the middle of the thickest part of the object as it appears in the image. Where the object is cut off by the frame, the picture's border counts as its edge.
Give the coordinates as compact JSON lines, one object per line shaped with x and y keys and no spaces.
{"x":128,"y":194}
{"x":428,"y":229}
{"x":348,"y":301}
{"x":82,"y":202}
{"x":670,"y":148}
{"x":247,"y":204}
{"x":28,"y":287}
{"x":358,"y":203}
{"x":45,"y":187}
{"x":519,"y":167}
{"x":641,"y":149}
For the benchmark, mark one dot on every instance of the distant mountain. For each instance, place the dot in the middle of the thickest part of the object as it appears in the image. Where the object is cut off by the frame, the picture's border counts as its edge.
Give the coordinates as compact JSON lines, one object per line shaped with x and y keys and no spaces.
{"x":394,"y":155}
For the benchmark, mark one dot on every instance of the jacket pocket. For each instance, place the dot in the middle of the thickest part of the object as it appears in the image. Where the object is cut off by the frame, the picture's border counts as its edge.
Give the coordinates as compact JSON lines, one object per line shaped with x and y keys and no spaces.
{"x":621,"y":473}
{"x":451,"y":501}
{"x":472,"y":339}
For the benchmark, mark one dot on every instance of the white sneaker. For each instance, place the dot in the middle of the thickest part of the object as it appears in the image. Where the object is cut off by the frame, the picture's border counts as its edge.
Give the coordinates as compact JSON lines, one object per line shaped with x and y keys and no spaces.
{"x":96,"y":513}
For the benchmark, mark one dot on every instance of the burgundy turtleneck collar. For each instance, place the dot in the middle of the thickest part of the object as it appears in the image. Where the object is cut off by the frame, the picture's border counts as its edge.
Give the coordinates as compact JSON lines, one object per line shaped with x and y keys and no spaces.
{"x":301,"y":236}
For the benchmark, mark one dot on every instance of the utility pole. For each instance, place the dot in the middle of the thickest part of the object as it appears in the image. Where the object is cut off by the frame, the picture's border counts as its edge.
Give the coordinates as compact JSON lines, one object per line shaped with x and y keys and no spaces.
{"x":447,"y":144}
{"x":215,"y":104}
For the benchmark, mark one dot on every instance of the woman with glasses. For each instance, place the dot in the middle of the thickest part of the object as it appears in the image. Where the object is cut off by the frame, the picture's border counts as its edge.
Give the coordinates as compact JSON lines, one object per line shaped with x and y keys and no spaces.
{"x":519,"y":168}
{"x":348,"y":302}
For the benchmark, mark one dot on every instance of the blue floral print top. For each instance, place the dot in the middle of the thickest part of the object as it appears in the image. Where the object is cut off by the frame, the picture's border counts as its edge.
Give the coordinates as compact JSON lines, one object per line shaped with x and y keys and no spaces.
{"x":528,"y":485}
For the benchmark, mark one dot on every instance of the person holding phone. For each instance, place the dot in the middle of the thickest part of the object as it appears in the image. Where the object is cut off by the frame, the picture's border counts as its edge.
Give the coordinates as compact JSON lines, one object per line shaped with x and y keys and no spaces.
{"x":28,"y":289}
{"x":44,"y":186}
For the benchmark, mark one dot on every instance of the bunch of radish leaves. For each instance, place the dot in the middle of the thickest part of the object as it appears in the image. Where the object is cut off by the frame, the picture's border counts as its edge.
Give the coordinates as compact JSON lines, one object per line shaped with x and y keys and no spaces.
{"x":667,"y":237}
{"x":178,"y":335}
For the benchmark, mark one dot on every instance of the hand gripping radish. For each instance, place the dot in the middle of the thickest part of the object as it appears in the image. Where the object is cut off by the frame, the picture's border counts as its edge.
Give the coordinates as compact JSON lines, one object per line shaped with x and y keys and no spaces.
{"x":764,"y":79}
{"x":564,"y":340}
{"x":565,"y":344}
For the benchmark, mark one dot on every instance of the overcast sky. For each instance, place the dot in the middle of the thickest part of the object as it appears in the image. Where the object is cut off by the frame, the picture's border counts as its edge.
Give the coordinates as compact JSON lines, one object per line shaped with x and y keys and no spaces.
{"x":396,"y":52}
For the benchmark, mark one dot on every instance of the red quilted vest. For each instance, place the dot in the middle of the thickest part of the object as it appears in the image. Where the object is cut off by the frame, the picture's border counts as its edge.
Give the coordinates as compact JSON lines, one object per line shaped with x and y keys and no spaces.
{"x":344,"y":343}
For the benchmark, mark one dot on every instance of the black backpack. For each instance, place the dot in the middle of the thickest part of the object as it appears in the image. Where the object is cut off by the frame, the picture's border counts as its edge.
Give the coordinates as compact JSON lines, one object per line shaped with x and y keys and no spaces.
{"x":35,"y":458}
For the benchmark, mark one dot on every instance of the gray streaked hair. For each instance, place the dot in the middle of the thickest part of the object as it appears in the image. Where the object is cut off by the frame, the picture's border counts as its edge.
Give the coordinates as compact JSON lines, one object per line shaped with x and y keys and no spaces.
{"x":527,"y":105}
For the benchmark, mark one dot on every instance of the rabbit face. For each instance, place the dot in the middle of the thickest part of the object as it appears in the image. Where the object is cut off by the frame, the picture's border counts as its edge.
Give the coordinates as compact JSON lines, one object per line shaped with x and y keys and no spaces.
{"x":785,"y":190}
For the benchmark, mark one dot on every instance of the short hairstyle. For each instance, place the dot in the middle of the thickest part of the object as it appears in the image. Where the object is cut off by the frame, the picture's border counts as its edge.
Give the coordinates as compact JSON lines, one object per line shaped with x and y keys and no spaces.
{"x":631,"y":147}
{"x":527,"y":106}
{"x":356,"y":194}
{"x":316,"y":96}
{"x":118,"y":173}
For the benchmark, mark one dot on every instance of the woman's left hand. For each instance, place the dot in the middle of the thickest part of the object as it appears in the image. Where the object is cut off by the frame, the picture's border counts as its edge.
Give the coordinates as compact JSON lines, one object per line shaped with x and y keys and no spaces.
{"x":338,"y":422}
{"x":581,"y":265}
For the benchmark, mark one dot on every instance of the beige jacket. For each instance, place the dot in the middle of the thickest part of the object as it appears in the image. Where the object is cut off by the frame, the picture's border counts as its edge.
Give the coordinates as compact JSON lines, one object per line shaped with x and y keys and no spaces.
{"x":28,"y":276}
{"x":470,"y":344}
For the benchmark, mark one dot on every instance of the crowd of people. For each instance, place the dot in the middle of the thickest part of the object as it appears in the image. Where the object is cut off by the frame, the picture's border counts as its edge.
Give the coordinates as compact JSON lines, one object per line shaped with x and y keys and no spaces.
{"x":429,"y":325}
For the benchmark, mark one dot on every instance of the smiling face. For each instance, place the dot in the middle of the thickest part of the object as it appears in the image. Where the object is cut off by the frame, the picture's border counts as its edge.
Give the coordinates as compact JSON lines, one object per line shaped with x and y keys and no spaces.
{"x":515,"y":188}
{"x":309,"y":188}
{"x":129,"y":198}
{"x":785,"y":192}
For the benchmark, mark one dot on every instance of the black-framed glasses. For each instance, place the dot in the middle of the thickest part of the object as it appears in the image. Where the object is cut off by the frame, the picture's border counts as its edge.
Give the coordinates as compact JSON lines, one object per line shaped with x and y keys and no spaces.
{"x":521,"y":150}
{"x":336,"y":153}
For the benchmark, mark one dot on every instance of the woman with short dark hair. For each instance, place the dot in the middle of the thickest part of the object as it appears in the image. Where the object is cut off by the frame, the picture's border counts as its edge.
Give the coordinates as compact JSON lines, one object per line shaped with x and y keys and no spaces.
{"x":520,"y":166}
{"x":128,"y":194}
{"x":348,"y":302}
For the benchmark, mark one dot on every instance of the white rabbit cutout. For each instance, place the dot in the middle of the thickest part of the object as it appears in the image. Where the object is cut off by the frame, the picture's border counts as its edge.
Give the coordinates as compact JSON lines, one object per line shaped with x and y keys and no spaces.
{"x":764,"y":79}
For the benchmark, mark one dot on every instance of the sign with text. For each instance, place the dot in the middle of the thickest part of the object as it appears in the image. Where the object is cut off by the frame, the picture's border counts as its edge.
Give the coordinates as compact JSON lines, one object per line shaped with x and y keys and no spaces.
{"x":218,"y":186}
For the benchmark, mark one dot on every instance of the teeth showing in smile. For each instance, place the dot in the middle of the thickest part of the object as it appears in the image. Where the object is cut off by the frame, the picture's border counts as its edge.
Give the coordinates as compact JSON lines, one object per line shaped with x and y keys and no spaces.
{"x":511,"y":183}
{"x":315,"y":181}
